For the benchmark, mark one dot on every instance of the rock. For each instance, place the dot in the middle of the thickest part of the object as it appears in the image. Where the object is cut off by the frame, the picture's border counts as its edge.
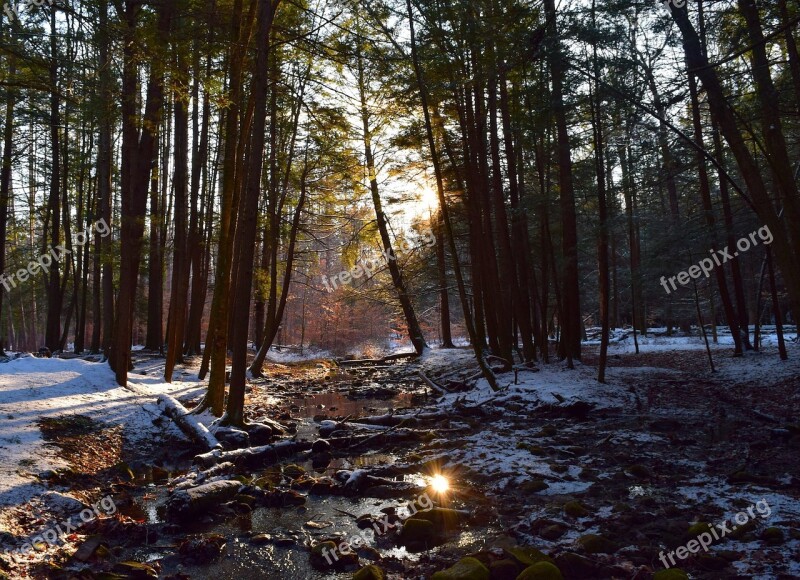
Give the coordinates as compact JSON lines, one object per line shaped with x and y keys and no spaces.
{"x":575,"y":566}
{"x":293,"y":471}
{"x":320,"y":446}
{"x":595,"y":544}
{"x":504,"y":569}
{"x":135,"y":570}
{"x":465,"y":569}
{"x":528,"y":556}
{"x":417,"y":531}
{"x":575,"y":509}
{"x":697,"y":529}
{"x":327,"y":555}
{"x":444,"y":519}
{"x":370,"y":572}
{"x":553,"y":532}
{"x":62,"y":504}
{"x":639,"y":471}
{"x":541,"y":571}
{"x":533,"y":485}
{"x":203,"y":549}
{"x":671,"y":574}
{"x":773,"y":536}
{"x":260,"y":434}
{"x":87,"y":549}
{"x":232,"y":438}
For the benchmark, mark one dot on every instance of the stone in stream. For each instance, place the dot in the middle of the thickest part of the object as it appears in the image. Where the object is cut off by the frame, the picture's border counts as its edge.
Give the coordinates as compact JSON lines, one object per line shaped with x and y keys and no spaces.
{"x":260,"y":434}
{"x":541,"y":571}
{"x":327,"y":555}
{"x":320,"y":445}
{"x":232,"y":438}
{"x":465,"y":569}
{"x":371,"y":572}
{"x":417,"y":533}
{"x":504,"y":569}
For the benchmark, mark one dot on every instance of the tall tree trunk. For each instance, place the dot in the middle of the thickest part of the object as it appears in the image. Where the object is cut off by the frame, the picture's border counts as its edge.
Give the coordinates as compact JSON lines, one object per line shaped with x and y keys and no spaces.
{"x":570,"y":344}
{"x":138,"y":151}
{"x":476,"y":341}
{"x":414,"y":328}
{"x":708,"y":210}
{"x":234,"y":413}
{"x":55,"y":298}
{"x":154,"y":339}
{"x":786,"y":256}
{"x":103,"y":262}
{"x":5,"y":185}
{"x":180,"y":257}
{"x":215,"y":352}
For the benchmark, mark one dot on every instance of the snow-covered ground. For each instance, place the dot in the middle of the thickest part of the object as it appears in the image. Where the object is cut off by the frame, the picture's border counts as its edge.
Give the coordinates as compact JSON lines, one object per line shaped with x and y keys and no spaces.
{"x":33,"y":388}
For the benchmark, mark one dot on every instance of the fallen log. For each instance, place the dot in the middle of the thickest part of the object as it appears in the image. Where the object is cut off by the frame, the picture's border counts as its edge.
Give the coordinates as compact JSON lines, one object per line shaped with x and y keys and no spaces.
{"x":377,"y":361}
{"x":185,"y":503}
{"x":390,"y":420}
{"x":253,"y":456}
{"x":187,"y":423}
{"x":431,"y":384}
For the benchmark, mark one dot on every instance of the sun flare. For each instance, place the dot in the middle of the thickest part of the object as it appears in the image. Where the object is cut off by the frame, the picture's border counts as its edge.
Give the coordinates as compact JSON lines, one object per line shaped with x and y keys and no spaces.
{"x":439,"y":483}
{"x":427,"y":197}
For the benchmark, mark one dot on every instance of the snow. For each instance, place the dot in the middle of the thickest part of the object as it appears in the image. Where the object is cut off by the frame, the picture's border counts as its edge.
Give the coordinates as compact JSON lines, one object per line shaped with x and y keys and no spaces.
{"x":34,"y":388}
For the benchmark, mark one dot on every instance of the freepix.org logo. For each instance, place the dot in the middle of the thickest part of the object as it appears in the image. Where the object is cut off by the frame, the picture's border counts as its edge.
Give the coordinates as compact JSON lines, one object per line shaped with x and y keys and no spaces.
{"x":665,"y":4}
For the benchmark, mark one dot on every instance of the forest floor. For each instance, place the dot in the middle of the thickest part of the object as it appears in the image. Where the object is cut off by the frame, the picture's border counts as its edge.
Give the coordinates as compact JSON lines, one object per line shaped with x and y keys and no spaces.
{"x":601,"y":479}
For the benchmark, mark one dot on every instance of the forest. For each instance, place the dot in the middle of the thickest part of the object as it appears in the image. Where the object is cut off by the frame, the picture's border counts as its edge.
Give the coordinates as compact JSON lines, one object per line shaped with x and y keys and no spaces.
{"x":255,"y":251}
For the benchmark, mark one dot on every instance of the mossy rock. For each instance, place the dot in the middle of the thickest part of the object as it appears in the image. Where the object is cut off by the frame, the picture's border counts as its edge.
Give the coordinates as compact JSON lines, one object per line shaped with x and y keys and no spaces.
{"x":442,"y":518}
{"x":575,"y":509}
{"x":529,"y":556}
{"x":335,"y":558}
{"x":773,"y":536}
{"x":745,"y":531}
{"x":671,"y":574}
{"x":504,"y":569}
{"x":639,"y":471}
{"x":596,"y":544}
{"x":417,"y":530}
{"x":135,"y":570}
{"x":535,"y":449}
{"x":553,"y":532}
{"x":574,"y":565}
{"x":371,"y":572}
{"x":547,"y":431}
{"x":319,"y":551}
{"x":465,"y":569}
{"x":697,"y":529}
{"x":714,"y":563}
{"x":293,"y":471}
{"x":533,"y":486}
{"x":541,"y":571}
